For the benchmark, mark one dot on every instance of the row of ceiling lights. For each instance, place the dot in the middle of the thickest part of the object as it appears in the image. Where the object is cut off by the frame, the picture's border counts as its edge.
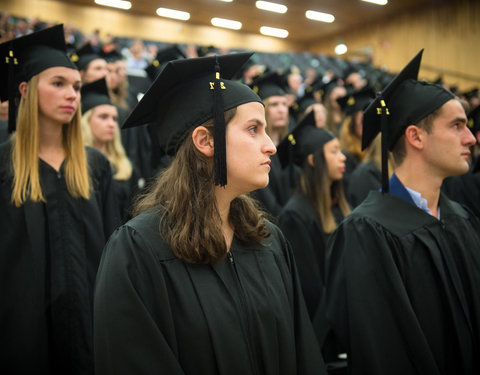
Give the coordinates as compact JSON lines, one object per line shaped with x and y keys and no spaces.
{"x":235,"y":25}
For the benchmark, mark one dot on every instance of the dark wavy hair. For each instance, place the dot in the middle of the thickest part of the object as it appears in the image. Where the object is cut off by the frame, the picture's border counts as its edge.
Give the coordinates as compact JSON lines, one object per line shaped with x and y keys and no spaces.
{"x":191,"y":223}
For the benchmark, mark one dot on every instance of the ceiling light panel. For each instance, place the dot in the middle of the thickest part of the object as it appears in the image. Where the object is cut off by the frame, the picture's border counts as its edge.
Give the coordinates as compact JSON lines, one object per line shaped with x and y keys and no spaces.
{"x":121,"y":4}
{"x":271,"y":7}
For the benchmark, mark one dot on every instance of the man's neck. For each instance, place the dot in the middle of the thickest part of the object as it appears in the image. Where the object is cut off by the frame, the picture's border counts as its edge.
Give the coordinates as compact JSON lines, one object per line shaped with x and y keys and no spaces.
{"x":422,"y":182}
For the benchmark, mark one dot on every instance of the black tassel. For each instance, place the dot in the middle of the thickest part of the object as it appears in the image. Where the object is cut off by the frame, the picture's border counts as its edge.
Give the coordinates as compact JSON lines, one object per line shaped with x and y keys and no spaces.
{"x":220,"y":155}
{"x":11,"y":61}
{"x":384,"y":124}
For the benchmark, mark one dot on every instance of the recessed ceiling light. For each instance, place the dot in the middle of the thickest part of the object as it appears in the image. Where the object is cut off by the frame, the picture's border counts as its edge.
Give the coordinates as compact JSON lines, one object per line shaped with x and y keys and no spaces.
{"x":378,"y":2}
{"x":272,"y":31}
{"x":341,"y":49}
{"x":319,"y":16}
{"x":171,"y":13}
{"x":115,"y":3}
{"x":229,"y":24}
{"x":271,"y":7}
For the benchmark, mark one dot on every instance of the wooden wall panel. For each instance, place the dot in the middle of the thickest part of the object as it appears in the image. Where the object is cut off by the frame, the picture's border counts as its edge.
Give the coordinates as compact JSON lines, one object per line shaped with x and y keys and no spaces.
{"x":449,"y":34}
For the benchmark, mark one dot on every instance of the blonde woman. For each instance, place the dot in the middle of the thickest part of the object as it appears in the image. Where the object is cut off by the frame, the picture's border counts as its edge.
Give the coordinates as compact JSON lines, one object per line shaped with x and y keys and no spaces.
{"x":56,"y":213}
{"x":100,"y":130}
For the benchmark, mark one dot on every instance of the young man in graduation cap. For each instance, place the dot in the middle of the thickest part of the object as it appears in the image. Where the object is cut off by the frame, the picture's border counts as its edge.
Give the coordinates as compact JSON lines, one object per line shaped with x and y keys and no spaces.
{"x":403,"y":270}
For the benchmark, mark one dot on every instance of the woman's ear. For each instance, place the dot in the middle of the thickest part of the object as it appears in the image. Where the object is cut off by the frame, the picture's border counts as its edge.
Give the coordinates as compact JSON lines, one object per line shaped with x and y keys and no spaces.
{"x":203,"y":140}
{"x":310,"y":160}
{"x":22,"y":87}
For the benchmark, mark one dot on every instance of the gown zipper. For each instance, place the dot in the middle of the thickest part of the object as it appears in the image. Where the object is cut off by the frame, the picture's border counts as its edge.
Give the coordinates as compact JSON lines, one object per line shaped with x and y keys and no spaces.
{"x":243,"y":301}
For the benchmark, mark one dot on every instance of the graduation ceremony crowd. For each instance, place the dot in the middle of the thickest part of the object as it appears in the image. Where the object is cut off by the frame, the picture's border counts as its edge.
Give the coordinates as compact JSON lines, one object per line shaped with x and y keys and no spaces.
{"x":188,"y":210}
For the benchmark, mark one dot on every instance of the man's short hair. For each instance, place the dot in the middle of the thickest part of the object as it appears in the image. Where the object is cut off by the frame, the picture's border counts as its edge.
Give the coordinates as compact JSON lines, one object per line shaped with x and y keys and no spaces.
{"x":399,"y":150}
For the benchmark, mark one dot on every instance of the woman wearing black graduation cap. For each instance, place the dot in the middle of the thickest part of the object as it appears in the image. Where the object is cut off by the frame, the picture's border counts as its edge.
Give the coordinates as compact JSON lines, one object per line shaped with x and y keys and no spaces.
{"x":100,"y":130}
{"x":55,"y":213}
{"x":312,"y":214}
{"x":317,"y":206}
{"x":199,"y":282}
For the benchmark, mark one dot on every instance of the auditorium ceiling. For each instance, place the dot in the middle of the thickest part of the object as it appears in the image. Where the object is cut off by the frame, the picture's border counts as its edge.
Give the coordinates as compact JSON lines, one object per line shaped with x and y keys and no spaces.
{"x":349,"y":14}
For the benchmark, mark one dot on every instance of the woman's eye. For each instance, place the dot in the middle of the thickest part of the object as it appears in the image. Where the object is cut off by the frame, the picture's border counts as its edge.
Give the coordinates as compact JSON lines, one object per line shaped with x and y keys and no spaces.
{"x":58,"y":84}
{"x":252,"y":129}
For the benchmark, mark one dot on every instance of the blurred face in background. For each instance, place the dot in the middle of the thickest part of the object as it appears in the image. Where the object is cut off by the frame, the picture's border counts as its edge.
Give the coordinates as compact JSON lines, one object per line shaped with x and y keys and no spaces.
{"x":276,"y":109}
{"x":95,"y":70}
{"x":103,"y":123}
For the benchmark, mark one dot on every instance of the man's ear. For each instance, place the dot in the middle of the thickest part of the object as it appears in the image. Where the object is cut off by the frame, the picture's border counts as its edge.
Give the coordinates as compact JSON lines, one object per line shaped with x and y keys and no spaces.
{"x":22,"y":87}
{"x":415,"y":136}
{"x":203,"y":140}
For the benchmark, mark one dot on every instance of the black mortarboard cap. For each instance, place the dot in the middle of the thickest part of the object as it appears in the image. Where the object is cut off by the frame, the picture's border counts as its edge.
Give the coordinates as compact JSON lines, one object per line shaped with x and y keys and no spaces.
{"x":27,"y":56}
{"x":186,"y":94}
{"x":84,"y":56}
{"x":111,"y":56}
{"x":163,"y":57}
{"x":94,"y":94}
{"x":403,"y":102}
{"x":474,"y":120}
{"x":303,"y":140}
{"x":269,"y":84}
{"x":356,"y":101}
{"x":473,"y":93}
{"x":203,"y":51}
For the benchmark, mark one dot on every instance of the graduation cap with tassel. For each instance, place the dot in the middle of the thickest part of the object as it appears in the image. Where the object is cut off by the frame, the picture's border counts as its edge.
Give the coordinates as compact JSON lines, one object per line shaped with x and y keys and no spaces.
{"x":186,"y":94}
{"x":27,"y":56}
{"x":404,"y":101}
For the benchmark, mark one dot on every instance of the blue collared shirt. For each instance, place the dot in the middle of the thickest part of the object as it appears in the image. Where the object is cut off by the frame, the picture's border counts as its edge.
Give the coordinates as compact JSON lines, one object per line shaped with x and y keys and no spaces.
{"x":412,"y":196}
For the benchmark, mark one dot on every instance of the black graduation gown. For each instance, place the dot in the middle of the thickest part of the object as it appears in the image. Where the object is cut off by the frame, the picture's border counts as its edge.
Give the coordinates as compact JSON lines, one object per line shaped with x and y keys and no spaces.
{"x":302,"y":227}
{"x":49,"y":254}
{"x":3,"y":131}
{"x":351,"y":163}
{"x":364,"y":178}
{"x":465,"y":189}
{"x":155,"y":314}
{"x":403,"y":288}
{"x":282,"y":183}
{"x":125,"y":192}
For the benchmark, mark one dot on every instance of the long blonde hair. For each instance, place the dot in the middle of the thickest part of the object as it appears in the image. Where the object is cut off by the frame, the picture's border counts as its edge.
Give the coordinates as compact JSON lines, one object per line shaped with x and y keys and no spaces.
{"x":25,"y":145}
{"x":115,"y":152}
{"x":349,"y":141}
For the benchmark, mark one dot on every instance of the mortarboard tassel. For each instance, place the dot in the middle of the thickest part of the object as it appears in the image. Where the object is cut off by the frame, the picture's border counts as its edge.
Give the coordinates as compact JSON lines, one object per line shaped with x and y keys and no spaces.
{"x":383,"y":113}
{"x":11,"y":61}
{"x":220,"y":155}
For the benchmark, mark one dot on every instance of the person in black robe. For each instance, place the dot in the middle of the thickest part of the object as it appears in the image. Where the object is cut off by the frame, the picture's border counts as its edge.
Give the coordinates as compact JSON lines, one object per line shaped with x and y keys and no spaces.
{"x":319,"y":195}
{"x":199,"y":282}
{"x":270,"y":87}
{"x":100,"y":130}
{"x":403,"y":270}
{"x":368,"y":175}
{"x":53,"y":228}
{"x":350,"y":134}
{"x":311,"y":215}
